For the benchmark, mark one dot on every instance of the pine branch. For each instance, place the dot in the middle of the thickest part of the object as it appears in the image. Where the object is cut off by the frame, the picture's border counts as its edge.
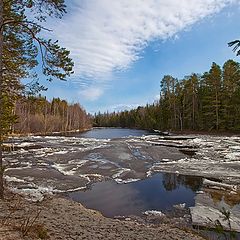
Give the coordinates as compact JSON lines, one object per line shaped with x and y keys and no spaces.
{"x":236,"y":45}
{"x":14,"y":22}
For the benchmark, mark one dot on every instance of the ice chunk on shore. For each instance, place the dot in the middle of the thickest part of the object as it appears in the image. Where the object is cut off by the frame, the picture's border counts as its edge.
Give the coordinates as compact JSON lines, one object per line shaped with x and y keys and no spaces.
{"x":34,"y":194}
{"x":219,"y":185}
{"x":207,"y":216}
{"x":180,"y":206}
{"x":154,"y":213}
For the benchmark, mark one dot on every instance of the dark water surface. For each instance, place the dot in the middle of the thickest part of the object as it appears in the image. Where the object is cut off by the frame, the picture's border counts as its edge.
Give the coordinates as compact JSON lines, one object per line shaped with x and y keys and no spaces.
{"x":159,"y":192}
{"x":101,"y":133}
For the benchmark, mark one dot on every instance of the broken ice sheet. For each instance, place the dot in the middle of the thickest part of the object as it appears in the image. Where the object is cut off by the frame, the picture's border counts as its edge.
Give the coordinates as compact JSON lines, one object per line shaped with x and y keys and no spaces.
{"x":208,"y":206}
{"x":72,"y":158}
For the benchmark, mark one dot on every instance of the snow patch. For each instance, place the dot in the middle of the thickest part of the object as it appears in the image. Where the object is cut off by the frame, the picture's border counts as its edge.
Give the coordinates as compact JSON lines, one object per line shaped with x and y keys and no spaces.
{"x":154,"y":213}
{"x":61,"y":152}
{"x":23,"y":144}
{"x":180,"y":206}
{"x":34,"y":194}
{"x":233,"y":156}
{"x":118,"y":174}
{"x":13,"y":179}
{"x":129,"y":180}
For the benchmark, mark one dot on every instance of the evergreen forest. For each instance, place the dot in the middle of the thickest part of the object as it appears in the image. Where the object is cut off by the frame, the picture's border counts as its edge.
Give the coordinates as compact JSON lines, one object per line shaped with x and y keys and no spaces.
{"x":202,"y":102}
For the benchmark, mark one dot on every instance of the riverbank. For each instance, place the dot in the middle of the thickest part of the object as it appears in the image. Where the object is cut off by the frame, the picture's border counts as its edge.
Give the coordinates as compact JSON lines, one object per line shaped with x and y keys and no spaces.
{"x":61,"y":133}
{"x":64,"y":219}
{"x":222,"y":133}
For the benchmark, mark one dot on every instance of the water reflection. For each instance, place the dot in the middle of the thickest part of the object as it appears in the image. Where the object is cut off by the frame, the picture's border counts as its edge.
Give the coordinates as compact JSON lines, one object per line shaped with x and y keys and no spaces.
{"x":159,"y":192}
{"x":101,"y":133}
{"x":173,"y":181}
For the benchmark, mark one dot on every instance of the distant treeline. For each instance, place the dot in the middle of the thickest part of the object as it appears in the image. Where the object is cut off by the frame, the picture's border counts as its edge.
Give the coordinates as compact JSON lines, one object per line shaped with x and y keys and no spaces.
{"x":208,"y":101}
{"x":38,"y":115}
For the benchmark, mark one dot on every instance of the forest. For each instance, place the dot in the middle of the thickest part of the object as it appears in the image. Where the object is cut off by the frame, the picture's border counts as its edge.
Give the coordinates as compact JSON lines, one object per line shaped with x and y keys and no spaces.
{"x":35,"y":114}
{"x":207,"y":101}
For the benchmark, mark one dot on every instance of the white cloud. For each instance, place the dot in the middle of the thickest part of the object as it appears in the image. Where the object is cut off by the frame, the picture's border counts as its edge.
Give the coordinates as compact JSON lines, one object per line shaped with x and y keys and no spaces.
{"x":91,"y":93}
{"x":122,"y":107}
{"x":108,"y":35}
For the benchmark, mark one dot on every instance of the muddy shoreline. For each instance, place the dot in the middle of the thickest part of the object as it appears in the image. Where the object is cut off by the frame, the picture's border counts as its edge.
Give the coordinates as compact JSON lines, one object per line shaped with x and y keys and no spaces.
{"x":60,"y":218}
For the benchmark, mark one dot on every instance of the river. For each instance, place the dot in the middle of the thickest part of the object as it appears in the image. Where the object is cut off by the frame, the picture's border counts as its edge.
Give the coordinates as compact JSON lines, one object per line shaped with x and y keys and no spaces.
{"x":127,"y":172}
{"x":160,"y":192}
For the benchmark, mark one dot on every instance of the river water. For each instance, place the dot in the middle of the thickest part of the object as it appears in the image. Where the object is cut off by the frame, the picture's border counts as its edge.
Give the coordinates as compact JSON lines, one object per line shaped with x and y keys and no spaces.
{"x":101,"y":133}
{"x":127,"y":172}
{"x":160,"y":192}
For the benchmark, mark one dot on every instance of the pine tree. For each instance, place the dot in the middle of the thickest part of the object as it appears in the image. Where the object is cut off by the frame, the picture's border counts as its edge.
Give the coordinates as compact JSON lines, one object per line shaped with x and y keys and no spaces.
{"x":212,"y":82}
{"x":236,"y":45}
{"x":191,"y":85}
{"x":20,"y":44}
{"x":210,"y":101}
{"x":168,"y":101}
{"x":230,"y":98}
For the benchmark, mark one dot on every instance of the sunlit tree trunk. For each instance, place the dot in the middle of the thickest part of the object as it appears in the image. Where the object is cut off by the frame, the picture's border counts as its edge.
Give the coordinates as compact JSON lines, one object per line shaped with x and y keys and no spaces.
{"x":45,"y":116}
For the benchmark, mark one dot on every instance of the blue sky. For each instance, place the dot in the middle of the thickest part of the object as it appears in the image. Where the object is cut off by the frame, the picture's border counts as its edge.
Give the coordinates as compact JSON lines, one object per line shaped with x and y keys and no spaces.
{"x":120,"y":58}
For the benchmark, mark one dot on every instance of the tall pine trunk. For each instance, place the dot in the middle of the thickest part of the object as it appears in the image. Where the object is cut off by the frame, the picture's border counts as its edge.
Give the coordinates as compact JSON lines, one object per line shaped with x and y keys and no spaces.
{"x":193,"y":111}
{"x":1,"y":99}
{"x":217,"y":112}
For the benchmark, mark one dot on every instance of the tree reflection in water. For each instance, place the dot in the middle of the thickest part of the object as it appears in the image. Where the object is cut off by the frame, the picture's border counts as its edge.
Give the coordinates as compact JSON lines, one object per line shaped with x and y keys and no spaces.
{"x":172,"y":181}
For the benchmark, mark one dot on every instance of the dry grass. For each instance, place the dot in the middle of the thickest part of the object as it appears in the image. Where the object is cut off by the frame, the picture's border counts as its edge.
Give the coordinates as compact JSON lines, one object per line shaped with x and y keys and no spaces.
{"x":18,"y":218}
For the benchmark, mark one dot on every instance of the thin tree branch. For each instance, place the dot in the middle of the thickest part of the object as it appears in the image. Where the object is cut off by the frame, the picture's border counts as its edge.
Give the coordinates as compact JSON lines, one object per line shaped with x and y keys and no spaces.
{"x":12,"y":21}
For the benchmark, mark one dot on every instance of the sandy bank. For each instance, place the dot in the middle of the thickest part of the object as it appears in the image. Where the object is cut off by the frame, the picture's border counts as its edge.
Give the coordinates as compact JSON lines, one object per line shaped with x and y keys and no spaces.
{"x":60,"y":218}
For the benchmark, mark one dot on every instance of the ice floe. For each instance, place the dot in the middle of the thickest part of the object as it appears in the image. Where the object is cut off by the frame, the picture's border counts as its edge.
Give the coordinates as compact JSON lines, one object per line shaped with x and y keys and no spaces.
{"x":13,"y":179}
{"x":69,"y":168}
{"x":208,"y":216}
{"x":61,"y":152}
{"x":34,"y":194}
{"x":127,"y":159}
{"x":129,"y":180}
{"x":218,"y":185}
